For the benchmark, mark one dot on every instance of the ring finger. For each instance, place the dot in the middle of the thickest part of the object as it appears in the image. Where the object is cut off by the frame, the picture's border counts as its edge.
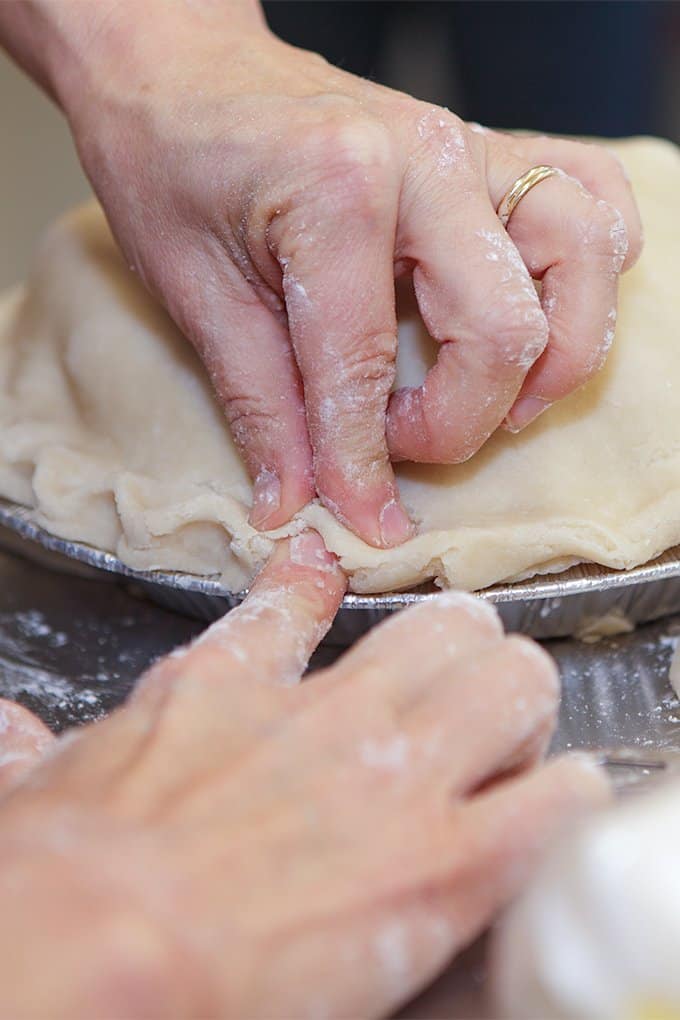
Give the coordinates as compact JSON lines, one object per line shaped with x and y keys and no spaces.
{"x":475,"y":296}
{"x":576,"y":245}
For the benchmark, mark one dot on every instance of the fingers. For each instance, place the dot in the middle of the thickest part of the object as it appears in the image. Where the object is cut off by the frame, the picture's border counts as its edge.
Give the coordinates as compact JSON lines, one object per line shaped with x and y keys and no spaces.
{"x":268,"y":638}
{"x":435,"y":884}
{"x":491,"y":714}
{"x":24,"y":739}
{"x":398,"y":948}
{"x":497,"y":837}
{"x":494,"y":843}
{"x":441,"y":686}
{"x":599,"y":170}
{"x":339,"y":289}
{"x":475,"y":295}
{"x":398,"y":659}
{"x":576,"y":245}
{"x":216,"y":697}
{"x":246,"y":349}
{"x":287,"y":612}
{"x":206,"y":704}
{"x":597,"y":167}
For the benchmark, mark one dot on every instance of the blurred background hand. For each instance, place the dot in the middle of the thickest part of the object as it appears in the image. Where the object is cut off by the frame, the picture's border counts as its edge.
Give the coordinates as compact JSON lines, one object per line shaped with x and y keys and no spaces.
{"x":230,"y":845}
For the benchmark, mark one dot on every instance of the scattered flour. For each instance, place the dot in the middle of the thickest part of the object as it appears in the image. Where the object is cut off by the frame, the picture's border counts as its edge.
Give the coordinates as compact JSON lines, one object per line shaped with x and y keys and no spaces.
{"x":32,"y":624}
{"x":50,"y":690}
{"x":674,"y":671}
{"x":392,"y":950}
{"x":388,"y":755}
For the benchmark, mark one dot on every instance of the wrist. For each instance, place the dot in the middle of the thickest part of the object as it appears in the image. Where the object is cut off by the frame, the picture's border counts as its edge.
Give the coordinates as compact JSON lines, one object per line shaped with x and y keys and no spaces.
{"x":77,"y":51}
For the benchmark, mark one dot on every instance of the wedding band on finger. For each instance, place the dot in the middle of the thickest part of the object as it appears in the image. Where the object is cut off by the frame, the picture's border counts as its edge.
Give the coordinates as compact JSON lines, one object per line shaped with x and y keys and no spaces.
{"x":522,"y":187}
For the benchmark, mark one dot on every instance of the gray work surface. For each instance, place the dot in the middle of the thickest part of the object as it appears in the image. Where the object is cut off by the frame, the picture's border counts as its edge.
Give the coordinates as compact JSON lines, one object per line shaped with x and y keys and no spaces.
{"x":71,"y":648}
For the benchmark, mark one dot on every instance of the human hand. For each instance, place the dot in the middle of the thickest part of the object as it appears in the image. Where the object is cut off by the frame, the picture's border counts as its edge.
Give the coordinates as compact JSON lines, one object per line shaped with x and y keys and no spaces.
{"x":270,"y":199}
{"x":229,"y":846}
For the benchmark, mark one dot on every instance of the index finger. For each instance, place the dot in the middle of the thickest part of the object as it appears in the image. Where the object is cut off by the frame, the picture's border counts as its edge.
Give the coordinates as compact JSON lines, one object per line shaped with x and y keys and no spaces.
{"x":270,"y":637}
{"x":338,"y":282}
{"x":202,"y":705}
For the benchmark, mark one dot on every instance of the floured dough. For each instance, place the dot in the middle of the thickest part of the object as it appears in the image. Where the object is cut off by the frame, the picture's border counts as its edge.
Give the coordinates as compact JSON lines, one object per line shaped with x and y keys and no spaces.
{"x":109,"y":429}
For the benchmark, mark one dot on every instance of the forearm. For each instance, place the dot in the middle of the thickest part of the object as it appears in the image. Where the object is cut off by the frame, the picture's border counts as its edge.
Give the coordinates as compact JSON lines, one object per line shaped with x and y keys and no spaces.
{"x":65,"y":44}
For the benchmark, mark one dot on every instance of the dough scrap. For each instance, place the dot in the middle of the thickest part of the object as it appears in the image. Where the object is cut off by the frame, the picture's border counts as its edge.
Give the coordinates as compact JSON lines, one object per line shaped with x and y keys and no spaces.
{"x":110,"y":431}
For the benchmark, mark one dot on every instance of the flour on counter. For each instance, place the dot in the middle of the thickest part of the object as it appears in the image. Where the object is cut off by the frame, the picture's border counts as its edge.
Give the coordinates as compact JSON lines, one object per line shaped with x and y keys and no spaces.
{"x":674,"y":671}
{"x":32,"y":624}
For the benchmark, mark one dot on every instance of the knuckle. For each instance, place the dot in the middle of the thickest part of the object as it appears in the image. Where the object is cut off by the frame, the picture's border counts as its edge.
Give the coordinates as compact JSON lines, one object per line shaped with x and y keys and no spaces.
{"x":608,"y":221}
{"x":574,"y":363}
{"x":342,"y":172}
{"x":602,"y":162}
{"x":249,"y":418}
{"x":363,"y":143}
{"x":636,"y":243}
{"x":590,"y":155}
{"x":518,"y":336}
{"x":363,"y":377}
{"x":442,"y":136}
{"x":591,"y":360}
{"x":466,"y":611}
{"x":604,"y":232}
{"x":534,"y":663}
{"x":352,"y":158}
{"x":453,"y":449}
{"x":443,"y":439}
{"x":14,"y":719}
{"x":347,"y":419}
{"x":609,"y":162}
{"x":514,"y":325}
{"x":371,"y":359}
{"x":447,"y":445}
{"x":452,"y":614}
{"x":579,"y":374}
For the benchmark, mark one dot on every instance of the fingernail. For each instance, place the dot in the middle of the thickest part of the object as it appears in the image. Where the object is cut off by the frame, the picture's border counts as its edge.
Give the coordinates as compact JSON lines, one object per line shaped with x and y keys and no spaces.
{"x":266,"y":497}
{"x":526,"y":410}
{"x":395,"y":527}
{"x":308,"y":550}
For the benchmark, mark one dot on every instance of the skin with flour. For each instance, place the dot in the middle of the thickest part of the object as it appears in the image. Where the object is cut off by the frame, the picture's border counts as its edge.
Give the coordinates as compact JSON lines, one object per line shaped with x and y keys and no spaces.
{"x":230,"y":844}
{"x":270,"y":200}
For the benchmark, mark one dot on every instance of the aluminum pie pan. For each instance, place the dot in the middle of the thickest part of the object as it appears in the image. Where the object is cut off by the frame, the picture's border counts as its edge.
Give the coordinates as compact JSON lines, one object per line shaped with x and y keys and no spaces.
{"x":546,"y":606}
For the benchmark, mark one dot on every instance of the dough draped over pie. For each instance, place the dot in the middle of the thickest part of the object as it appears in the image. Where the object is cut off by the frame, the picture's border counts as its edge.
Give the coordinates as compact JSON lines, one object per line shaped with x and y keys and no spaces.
{"x":110,"y":431}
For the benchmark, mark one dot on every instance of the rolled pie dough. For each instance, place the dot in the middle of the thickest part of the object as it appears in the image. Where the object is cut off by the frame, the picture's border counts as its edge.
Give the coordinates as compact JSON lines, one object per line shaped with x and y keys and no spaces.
{"x":110,"y":431}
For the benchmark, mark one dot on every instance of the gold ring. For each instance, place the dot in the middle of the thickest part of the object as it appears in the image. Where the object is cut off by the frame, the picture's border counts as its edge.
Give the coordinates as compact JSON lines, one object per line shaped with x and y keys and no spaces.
{"x":522,"y":187}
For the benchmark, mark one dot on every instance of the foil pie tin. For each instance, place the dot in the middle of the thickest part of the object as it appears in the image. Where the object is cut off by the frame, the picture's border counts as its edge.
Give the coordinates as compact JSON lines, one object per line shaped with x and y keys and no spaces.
{"x":585,"y":599}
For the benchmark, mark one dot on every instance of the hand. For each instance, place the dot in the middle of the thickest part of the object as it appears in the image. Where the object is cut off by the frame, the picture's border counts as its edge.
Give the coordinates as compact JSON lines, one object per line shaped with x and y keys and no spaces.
{"x":228,"y":845}
{"x":270,"y":199}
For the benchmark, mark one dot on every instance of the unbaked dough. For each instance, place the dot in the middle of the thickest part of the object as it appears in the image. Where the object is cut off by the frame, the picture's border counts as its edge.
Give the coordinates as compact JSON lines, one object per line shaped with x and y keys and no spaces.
{"x":110,"y":431}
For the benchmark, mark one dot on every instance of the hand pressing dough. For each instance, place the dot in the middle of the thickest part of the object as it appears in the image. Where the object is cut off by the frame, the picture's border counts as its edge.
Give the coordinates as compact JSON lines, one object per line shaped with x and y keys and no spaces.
{"x":110,"y":431}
